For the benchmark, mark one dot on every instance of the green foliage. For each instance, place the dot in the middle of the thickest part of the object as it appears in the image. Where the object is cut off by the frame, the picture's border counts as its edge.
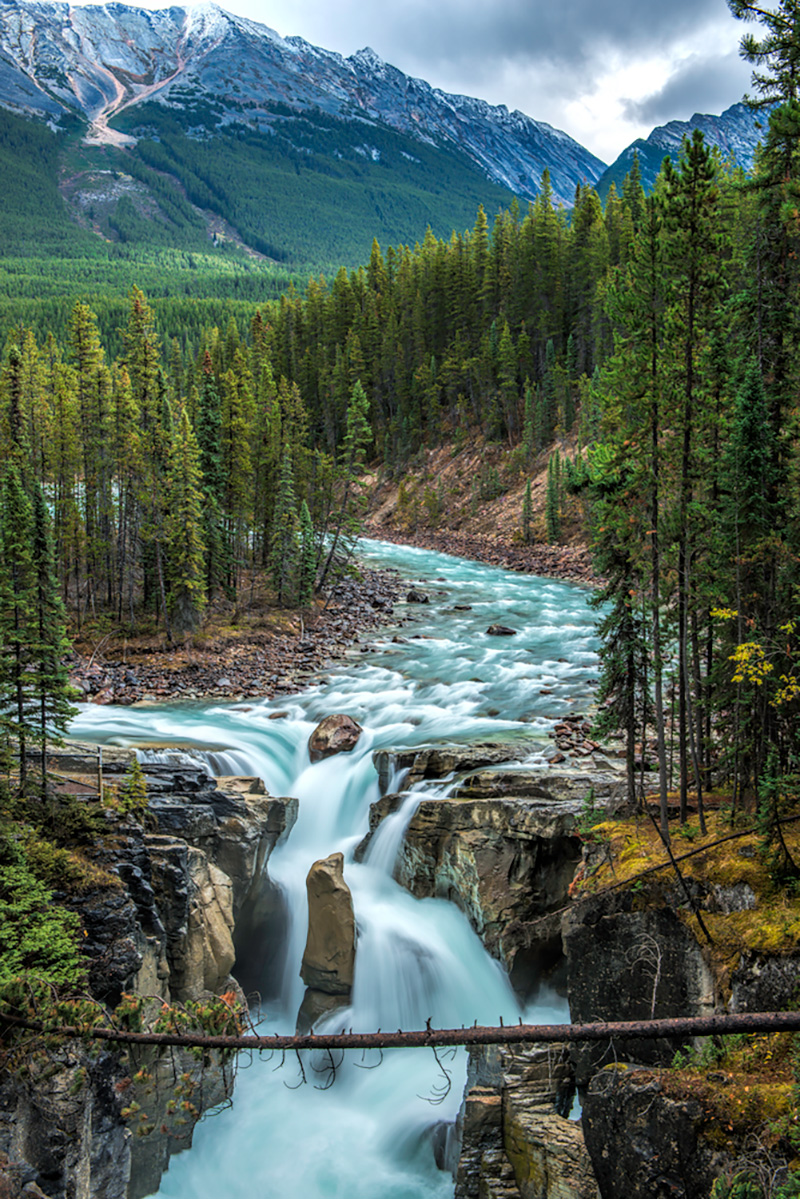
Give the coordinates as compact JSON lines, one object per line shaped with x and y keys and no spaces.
{"x":552,"y":509}
{"x":36,"y":936}
{"x":741,"y":1186}
{"x":489,"y":484}
{"x":132,"y":793}
{"x":314,"y":188}
{"x":779,"y":795}
{"x":591,"y":814}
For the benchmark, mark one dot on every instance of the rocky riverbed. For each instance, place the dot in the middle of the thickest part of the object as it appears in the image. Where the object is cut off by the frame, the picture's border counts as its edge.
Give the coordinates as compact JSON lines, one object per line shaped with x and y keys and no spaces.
{"x":255,"y":663}
{"x":570,"y":563}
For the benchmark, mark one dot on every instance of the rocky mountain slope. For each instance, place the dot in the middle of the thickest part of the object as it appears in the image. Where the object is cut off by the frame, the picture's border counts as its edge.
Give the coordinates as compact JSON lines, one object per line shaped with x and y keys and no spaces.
{"x":97,"y":61}
{"x":737,"y":132}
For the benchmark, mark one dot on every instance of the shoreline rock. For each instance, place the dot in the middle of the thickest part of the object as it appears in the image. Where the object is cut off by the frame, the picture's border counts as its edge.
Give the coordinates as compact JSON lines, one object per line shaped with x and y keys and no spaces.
{"x":568,"y":563}
{"x":258,"y":665}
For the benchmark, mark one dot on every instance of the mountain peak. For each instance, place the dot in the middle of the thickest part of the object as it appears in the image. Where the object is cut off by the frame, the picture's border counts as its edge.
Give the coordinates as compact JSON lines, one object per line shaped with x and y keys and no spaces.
{"x":98,"y":61}
{"x":736,"y":132}
{"x":368,"y":58}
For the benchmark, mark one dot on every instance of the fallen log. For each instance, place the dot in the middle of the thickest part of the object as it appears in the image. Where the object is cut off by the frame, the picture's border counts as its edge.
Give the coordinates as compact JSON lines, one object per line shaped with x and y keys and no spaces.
{"x":690,"y":1026}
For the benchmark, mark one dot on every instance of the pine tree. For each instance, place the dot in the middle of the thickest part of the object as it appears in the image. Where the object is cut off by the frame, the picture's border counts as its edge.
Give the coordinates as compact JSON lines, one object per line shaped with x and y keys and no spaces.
{"x":142,"y":357}
{"x":183,"y":530}
{"x":18,"y":709}
{"x":633,"y":193}
{"x":268,"y":440}
{"x":13,"y":423}
{"x":357,"y":438}
{"x":529,"y":424}
{"x":628,"y":395}
{"x":94,"y":422}
{"x":552,"y":509}
{"x":308,"y":557}
{"x":548,"y":399}
{"x":50,"y":689}
{"x":209,"y":431}
{"x":285,"y":539}
{"x":694,"y":232}
{"x":507,"y":376}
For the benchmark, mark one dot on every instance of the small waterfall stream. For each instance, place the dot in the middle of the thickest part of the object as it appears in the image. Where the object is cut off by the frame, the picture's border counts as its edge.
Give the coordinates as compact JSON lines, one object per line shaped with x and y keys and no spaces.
{"x":370,"y":1134}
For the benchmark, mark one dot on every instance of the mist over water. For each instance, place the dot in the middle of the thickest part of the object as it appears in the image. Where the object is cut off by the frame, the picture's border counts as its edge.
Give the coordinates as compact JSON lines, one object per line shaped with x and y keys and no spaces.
{"x":369,"y":1135}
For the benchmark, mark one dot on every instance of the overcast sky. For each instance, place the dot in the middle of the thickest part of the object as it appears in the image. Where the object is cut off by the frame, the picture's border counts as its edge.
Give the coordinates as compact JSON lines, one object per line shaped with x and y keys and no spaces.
{"x":606,"y":71}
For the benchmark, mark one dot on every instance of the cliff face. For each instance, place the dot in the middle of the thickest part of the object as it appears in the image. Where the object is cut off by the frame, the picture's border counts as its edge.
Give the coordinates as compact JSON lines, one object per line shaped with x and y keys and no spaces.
{"x":193,"y":891}
{"x":504,"y":845}
{"x":512,"y":848}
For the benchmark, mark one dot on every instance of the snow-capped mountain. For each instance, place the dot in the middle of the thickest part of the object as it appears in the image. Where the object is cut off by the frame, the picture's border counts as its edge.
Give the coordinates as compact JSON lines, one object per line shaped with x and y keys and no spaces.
{"x":736,"y":132}
{"x":56,"y":58}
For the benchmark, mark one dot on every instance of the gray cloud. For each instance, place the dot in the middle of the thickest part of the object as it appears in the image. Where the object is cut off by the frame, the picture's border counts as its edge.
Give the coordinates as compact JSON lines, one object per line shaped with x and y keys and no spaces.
{"x":474,"y":33}
{"x":572,"y":32}
{"x":698,"y":85}
{"x":541,"y":56}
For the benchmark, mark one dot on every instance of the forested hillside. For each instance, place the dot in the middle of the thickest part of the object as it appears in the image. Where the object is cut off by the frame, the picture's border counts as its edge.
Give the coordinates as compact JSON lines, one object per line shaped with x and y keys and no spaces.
{"x":226,"y":221}
{"x":191,"y":441}
{"x":655,"y":336}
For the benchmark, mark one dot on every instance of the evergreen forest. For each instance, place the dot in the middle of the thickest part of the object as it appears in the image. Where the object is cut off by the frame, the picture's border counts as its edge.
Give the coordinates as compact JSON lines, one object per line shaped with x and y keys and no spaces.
{"x":151,"y":467}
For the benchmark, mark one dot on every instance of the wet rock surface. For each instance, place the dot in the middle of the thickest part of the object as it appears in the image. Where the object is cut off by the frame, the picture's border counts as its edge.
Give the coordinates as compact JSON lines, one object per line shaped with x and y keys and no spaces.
{"x":516,"y":1142}
{"x":190,"y":874}
{"x":334,"y":735}
{"x":504,"y":862}
{"x":503,"y":844}
{"x":330,"y":954}
{"x":61,"y":1133}
{"x":766,"y":984}
{"x":437,"y":762}
{"x":329,"y":960}
{"x":192,"y":880}
{"x":644,"y":1144}
{"x":625,"y":963}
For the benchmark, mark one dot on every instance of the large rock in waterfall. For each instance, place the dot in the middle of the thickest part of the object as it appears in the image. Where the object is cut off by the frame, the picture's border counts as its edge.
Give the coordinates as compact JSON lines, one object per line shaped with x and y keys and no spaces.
{"x":330,"y":955}
{"x":334,"y":735}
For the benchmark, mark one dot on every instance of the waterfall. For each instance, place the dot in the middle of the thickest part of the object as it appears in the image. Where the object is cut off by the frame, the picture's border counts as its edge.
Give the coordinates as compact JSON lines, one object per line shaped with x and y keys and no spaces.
{"x":369,"y":1131}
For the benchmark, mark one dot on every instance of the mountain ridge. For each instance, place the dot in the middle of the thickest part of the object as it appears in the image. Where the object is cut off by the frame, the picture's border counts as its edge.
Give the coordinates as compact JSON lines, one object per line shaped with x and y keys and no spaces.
{"x":101,"y":61}
{"x":735,"y":132}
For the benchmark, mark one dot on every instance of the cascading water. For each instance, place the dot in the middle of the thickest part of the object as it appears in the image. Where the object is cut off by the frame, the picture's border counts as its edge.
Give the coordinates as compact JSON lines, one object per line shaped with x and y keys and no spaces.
{"x":369,"y":1134}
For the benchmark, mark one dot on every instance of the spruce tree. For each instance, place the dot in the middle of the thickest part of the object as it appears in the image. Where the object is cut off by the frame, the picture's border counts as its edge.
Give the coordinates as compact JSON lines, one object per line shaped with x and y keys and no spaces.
{"x":285,"y":539}
{"x":50,"y":687}
{"x":529,"y":424}
{"x":552,"y":509}
{"x":308,"y":557}
{"x":357,"y":437}
{"x":183,"y":530}
{"x":548,"y":398}
{"x":18,"y":708}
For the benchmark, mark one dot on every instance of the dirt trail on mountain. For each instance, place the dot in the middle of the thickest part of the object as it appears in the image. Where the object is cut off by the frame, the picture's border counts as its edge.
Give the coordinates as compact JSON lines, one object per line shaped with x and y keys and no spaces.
{"x":99,"y":132}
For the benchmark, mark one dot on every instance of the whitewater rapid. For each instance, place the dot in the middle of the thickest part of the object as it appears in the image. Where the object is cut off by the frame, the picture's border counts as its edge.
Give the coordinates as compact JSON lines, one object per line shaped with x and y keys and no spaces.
{"x":438,"y":678}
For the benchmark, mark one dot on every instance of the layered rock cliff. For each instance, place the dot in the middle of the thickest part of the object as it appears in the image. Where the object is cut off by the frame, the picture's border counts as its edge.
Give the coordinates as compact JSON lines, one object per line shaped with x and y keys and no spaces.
{"x":194,"y":890}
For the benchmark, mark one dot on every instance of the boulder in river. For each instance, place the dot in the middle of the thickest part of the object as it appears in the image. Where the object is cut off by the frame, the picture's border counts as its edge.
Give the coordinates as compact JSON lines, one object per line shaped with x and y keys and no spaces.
{"x":333,"y":735}
{"x":500,"y":630}
{"x":330,"y":953}
{"x":416,"y":597}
